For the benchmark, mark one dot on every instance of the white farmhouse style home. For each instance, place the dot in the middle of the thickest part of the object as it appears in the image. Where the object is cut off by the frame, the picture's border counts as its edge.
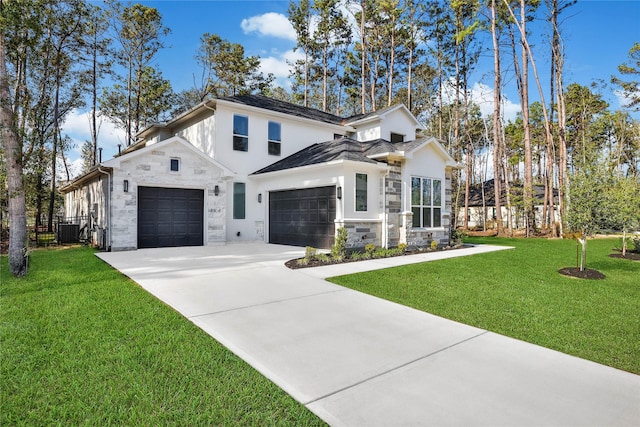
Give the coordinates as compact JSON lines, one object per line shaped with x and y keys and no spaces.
{"x":251,"y":168}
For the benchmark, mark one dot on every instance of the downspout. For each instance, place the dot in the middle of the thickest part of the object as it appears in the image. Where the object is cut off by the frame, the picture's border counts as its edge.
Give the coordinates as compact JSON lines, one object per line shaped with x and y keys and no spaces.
{"x":107,"y":243}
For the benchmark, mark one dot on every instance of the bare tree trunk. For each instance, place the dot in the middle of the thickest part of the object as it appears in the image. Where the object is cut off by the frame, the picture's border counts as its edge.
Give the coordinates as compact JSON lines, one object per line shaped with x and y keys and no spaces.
{"x":363,"y":60}
{"x":497,"y":114}
{"x":393,"y":51}
{"x":13,"y":152}
{"x":94,"y":100}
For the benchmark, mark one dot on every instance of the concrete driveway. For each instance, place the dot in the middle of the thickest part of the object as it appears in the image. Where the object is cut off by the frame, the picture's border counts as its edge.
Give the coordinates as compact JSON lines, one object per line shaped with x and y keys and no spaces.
{"x":357,"y":360}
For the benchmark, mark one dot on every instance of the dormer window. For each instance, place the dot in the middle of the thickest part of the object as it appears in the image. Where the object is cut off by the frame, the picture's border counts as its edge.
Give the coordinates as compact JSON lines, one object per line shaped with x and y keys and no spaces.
{"x":396,"y":137}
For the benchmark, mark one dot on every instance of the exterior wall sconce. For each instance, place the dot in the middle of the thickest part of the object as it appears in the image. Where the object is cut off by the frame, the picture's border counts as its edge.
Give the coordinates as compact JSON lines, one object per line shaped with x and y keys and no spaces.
{"x":259,"y":197}
{"x":125,"y":185}
{"x":339,"y":193}
{"x":216,"y":190}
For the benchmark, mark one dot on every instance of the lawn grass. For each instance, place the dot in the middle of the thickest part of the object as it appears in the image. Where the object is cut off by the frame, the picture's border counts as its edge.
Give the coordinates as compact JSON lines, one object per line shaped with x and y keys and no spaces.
{"x":519,"y":293}
{"x":80,"y":344}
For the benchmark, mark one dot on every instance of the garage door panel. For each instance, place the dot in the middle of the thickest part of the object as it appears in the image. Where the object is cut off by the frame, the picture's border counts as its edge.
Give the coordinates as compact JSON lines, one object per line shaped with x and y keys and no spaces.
{"x":170,"y":217}
{"x":303,"y":217}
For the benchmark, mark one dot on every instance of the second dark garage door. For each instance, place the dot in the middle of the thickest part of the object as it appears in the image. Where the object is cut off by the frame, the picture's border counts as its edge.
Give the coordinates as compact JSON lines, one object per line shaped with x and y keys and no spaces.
{"x":303,"y":217}
{"x":170,"y":217}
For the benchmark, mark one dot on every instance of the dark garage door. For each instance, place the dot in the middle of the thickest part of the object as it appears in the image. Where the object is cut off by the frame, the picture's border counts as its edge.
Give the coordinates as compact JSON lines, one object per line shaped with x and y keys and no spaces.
{"x":169,"y":217}
{"x":303,"y":217}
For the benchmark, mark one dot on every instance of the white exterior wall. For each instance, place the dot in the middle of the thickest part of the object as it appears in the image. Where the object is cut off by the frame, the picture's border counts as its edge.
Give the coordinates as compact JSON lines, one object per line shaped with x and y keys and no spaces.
{"x":340,"y":174}
{"x":398,"y":122}
{"x":89,"y":200}
{"x":201,"y":134}
{"x":152,"y":169}
{"x":369,"y":131}
{"x":426,"y":163}
{"x":295,"y":135}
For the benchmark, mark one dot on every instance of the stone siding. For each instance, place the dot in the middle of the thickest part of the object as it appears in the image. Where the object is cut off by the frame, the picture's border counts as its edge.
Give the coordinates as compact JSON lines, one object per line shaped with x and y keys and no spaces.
{"x":393,"y":196}
{"x":153,"y":170}
{"x":361,"y":233}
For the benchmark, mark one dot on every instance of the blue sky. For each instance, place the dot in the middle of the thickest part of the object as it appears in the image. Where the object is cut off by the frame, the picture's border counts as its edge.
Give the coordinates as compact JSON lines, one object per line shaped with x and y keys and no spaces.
{"x":597,"y":36}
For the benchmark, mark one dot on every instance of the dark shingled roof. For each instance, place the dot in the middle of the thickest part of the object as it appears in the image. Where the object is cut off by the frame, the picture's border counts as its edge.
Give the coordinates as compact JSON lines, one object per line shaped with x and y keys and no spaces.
{"x":284,"y":107}
{"x":370,"y":114}
{"x":338,"y":149}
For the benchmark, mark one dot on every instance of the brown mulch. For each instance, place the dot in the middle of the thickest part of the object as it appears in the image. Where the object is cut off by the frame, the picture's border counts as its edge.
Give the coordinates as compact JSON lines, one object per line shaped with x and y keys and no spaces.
{"x":293,"y":263}
{"x":633,"y":256}
{"x":587,"y":273}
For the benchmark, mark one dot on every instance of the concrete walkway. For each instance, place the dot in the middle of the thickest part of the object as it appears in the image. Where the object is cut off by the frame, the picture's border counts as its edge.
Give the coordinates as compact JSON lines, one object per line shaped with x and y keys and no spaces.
{"x":357,"y":360}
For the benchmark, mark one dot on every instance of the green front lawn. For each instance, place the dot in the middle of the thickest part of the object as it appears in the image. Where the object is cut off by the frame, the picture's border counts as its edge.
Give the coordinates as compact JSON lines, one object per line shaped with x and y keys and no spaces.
{"x":519,"y":293}
{"x":80,"y":344}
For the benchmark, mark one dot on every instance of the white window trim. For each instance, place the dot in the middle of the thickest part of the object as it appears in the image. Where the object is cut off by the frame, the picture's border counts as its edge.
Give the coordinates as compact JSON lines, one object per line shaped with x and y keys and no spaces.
{"x":441,"y":206}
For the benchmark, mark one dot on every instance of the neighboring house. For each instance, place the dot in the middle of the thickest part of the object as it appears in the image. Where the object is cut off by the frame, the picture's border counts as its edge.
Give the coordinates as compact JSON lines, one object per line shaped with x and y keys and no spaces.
{"x":482,"y":206}
{"x":250,"y":168}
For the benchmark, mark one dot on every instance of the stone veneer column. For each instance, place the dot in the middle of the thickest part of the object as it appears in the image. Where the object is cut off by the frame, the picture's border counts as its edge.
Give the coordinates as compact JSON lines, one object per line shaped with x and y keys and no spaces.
{"x":393,"y":195}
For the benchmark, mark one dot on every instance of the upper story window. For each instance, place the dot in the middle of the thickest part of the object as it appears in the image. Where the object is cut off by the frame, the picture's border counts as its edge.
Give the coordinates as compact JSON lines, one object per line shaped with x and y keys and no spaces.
{"x":274,"y":138}
{"x":174,"y":165}
{"x":426,"y":202}
{"x":240,"y":133}
{"x":361,"y":192}
{"x":396,"y":137}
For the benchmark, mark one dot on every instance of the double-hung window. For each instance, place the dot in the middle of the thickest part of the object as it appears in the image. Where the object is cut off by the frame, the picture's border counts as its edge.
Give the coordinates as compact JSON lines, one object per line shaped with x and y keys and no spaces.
{"x":274,"y":139}
{"x":240,"y":133}
{"x":426,"y":202}
{"x":361,"y":192}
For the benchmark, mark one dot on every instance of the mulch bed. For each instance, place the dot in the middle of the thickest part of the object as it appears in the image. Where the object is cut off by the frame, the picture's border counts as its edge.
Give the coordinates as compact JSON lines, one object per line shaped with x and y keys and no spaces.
{"x":293,"y":263}
{"x":633,"y":256}
{"x":585,"y":274}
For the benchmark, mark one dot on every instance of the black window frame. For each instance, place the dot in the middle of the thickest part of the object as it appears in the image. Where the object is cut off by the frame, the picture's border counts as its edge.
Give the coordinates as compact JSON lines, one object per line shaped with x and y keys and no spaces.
{"x":239,"y":200}
{"x":361,"y":194}
{"x":274,"y":142}
{"x":174,"y":161}
{"x":240,"y":139}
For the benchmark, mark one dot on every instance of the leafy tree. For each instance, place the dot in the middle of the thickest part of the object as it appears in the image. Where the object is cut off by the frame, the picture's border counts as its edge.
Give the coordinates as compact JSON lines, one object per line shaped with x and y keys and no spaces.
{"x":588,"y":208}
{"x":227,"y":70}
{"x":97,"y":53}
{"x":300,"y":15}
{"x":622,"y":202}
{"x":154,"y":99}
{"x":630,"y":88}
{"x":139,"y":31}
{"x":584,"y":138}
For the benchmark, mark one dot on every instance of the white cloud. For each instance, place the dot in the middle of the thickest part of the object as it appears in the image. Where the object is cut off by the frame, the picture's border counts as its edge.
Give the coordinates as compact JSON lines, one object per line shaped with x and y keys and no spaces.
{"x":76,"y":126}
{"x":278,"y":64}
{"x":482,"y":95}
{"x":270,"y":24}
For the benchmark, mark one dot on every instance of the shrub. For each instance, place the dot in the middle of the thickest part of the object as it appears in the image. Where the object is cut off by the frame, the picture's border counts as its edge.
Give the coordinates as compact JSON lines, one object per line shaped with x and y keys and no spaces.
{"x":434,"y":245}
{"x":323,"y":258}
{"x":457,"y":236}
{"x":310,"y":253}
{"x":339,"y":248}
{"x":402,"y":247}
{"x":370,"y":248}
{"x":636,"y":244}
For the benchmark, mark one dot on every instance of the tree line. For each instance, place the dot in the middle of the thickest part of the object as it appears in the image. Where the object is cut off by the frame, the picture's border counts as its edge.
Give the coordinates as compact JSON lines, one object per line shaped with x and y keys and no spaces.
{"x":356,"y":56}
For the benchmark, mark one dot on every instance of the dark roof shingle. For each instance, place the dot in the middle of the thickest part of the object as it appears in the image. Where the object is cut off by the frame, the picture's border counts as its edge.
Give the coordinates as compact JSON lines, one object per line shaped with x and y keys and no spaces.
{"x":259,"y":101}
{"x":323,"y":152}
